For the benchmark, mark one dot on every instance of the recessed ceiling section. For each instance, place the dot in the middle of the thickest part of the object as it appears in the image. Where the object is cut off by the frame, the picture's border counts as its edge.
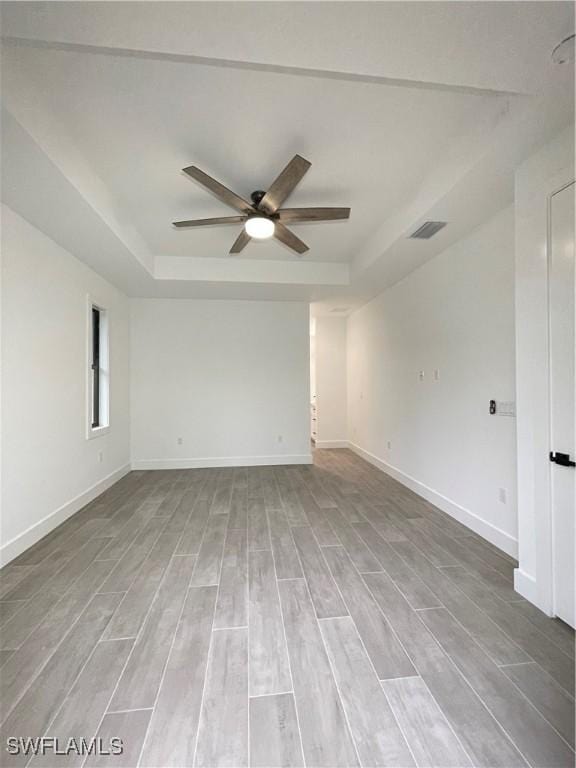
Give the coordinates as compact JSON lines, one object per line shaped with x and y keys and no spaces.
{"x":256,"y":271}
{"x":138,"y":122}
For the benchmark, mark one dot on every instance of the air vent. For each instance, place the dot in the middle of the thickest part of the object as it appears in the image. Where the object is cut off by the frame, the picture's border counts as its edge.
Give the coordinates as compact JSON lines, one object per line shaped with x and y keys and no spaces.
{"x":339,"y":309}
{"x":428,"y":230}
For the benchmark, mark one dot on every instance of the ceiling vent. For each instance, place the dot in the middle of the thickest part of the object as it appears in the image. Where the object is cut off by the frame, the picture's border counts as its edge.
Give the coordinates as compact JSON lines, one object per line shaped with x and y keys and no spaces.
{"x":339,"y":309}
{"x":428,"y":230}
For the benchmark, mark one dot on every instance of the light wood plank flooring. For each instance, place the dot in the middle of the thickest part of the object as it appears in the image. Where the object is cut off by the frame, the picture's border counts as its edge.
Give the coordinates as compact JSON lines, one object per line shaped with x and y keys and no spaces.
{"x":279,"y":616}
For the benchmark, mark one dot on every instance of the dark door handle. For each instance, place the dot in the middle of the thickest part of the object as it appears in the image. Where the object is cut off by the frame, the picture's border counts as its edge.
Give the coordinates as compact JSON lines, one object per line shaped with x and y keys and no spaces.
{"x":562,"y":458}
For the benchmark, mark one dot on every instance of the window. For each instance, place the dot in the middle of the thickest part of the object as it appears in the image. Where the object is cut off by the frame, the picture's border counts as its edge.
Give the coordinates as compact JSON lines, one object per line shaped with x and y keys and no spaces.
{"x":98,"y":373}
{"x":95,"y":367}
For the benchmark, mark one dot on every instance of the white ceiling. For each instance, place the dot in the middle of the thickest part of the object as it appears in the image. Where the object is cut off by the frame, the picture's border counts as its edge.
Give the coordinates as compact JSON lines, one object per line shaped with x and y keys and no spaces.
{"x":407,"y":111}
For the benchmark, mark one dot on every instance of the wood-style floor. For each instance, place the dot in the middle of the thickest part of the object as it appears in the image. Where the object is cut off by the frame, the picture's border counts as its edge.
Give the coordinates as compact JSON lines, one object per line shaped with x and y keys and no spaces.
{"x":279,"y":616}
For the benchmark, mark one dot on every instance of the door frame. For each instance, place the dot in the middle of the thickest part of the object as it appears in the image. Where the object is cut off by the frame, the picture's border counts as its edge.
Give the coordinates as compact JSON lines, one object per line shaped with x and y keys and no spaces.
{"x":537,"y":180}
{"x":551,"y":516}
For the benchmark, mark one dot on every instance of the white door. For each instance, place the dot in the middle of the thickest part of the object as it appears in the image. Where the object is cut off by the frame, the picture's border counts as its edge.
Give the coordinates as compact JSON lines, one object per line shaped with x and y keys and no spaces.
{"x":562,"y":397}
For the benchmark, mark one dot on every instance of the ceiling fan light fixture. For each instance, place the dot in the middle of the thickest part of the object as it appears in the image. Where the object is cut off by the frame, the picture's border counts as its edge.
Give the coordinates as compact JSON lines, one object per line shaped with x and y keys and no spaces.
{"x":259,"y":227}
{"x":264,"y":217}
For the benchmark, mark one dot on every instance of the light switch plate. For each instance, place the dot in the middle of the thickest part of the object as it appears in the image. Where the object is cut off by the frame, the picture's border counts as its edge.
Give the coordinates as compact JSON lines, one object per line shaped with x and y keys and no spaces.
{"x":506,"y":408}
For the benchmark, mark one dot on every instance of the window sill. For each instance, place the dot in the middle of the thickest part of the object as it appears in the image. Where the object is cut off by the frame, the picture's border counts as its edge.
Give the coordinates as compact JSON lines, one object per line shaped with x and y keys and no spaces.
{"x":94,"y":432}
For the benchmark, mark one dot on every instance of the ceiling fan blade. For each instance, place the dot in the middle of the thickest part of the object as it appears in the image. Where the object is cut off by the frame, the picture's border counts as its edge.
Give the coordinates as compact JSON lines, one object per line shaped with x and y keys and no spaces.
{"x":241,"y":242}
{"x":204,"y":222}
{"x":289,"y":238}
{"x":283,"y":185}
{"x":222,"y":192}
{"x":313,"y":214}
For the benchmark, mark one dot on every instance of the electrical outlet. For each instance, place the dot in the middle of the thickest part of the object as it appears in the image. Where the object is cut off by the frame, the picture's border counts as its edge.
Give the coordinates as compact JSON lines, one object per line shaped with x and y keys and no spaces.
{"x":420,"y":375}
{"x":436,"y":374}
{"x":502,"y":495}
{"x":280,"y":438}
{"x":179,"y":441}
{"x":389,"y":444}
{"x":100,"y":456}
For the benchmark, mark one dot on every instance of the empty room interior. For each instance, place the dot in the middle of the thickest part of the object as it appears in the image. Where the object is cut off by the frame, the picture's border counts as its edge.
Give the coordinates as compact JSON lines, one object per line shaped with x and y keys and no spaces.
{"x":287,"y":384}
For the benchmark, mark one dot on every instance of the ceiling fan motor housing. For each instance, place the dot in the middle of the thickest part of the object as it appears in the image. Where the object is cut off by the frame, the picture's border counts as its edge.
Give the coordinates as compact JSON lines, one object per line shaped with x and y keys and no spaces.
{"x":257,"y":196}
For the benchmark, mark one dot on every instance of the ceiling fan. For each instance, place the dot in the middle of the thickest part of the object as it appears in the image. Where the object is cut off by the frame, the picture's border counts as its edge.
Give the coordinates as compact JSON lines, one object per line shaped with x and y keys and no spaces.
{"x":263,"y":217}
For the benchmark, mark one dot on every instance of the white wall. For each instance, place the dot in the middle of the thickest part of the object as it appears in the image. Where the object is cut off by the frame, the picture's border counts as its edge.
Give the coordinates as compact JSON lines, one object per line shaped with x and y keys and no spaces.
{"x":540,"y":176}
{"x":330,"y":367}
{"x":49,"y":468}
{"x":454,"y":314}
{"x":230,"y":378}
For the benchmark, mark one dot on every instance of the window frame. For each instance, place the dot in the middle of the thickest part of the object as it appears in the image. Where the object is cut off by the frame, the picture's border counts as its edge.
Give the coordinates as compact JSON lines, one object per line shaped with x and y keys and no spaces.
{"x":97,"y":379}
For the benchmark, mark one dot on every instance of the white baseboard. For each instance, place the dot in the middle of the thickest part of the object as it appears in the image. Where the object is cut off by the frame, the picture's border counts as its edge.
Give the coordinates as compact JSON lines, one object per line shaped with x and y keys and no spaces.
{"x":496,"y":536}
{"x":326,"y":444}
{"x":31,"y":535}
{"x":225,"y":461}
{"x":526,"y":586}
